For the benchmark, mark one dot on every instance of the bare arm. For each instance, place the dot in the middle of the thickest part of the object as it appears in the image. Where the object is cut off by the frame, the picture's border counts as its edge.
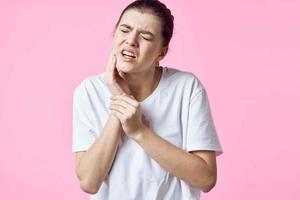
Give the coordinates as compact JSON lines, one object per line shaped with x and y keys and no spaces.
{"x":92,"y":166}
{"x":197,"y":168}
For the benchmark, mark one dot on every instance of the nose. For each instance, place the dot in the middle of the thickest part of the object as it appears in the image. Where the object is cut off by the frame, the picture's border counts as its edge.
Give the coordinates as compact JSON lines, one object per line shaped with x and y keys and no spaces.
{"x":132,"y":39}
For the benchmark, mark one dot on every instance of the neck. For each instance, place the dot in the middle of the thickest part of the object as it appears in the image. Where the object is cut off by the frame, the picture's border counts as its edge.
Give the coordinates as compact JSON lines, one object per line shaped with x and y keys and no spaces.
{"x":143,"y":84}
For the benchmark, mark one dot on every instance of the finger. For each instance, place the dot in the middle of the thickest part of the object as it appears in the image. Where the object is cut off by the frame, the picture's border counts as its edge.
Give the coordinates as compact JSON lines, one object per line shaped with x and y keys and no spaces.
{"x":115,"y":69}
{"x":117,"y":114}
{"x":111,"y":61}
{"x":112,"y":70}
{"x":122,"y":74}
{"x":126,"y":98}
{"x":124,"y":104}
{"x":125,"y":111}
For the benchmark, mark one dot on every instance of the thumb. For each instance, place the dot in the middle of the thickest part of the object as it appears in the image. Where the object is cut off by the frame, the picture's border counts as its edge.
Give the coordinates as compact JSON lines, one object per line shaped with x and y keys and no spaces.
{"x":112,"y":60}
{"x":122,"y":74}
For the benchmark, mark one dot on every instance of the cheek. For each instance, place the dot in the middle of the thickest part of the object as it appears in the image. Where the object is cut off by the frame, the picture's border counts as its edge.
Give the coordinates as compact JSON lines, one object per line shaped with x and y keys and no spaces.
{"x":117,"y":40}
{"x":150,"y":51}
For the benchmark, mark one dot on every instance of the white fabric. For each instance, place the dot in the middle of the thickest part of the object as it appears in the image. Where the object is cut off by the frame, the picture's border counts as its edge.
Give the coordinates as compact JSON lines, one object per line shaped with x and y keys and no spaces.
{"x":177,"y":110}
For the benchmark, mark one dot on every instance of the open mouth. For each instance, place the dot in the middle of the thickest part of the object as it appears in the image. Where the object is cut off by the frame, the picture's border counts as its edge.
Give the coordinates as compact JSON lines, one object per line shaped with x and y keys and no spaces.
{"x":128,"y":54}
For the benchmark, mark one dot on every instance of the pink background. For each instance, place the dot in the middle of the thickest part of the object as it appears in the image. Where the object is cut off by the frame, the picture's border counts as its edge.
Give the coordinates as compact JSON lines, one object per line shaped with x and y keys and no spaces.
{"x":246,"y":53}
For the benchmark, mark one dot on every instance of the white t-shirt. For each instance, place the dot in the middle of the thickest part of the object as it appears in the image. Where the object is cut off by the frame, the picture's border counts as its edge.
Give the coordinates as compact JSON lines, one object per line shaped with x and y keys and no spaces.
{"x":177,"y":110}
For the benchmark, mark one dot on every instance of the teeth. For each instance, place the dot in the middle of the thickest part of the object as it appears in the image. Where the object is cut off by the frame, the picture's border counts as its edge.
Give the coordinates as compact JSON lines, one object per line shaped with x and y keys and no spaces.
{"x":127,"y":53}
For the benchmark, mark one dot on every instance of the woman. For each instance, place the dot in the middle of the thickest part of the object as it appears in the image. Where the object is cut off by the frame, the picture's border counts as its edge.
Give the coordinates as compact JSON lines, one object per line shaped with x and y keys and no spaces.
{"x":142,"y":131}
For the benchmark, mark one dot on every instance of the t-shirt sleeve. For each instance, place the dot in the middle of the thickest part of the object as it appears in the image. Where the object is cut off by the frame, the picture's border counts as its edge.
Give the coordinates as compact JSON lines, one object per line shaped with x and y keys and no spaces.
{"x":201,"y":134}
{"x":84,"y":133}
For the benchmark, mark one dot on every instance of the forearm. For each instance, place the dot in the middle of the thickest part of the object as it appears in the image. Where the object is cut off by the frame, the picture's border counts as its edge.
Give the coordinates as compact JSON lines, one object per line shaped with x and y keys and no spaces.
{"x":186,"y":166}
{"x":97,"y":161}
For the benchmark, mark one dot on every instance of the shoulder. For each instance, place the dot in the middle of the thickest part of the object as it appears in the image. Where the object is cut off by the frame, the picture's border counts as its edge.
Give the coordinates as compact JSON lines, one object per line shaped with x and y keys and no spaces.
{"x":188,"y":79}
{"x":90,"y":84}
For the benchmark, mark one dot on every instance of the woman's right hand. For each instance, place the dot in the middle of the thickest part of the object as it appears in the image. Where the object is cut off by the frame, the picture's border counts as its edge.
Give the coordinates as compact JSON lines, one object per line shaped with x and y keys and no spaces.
{"x":114,"y":79}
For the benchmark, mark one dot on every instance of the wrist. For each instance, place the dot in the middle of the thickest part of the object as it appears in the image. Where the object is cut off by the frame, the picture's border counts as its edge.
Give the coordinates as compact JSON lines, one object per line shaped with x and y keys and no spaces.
{"x":140,"y":133}
{"x":114,"y":119}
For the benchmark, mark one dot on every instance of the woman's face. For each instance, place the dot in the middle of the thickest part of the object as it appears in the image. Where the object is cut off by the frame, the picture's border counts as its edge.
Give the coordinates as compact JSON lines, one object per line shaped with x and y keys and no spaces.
{"x":138,"y":42}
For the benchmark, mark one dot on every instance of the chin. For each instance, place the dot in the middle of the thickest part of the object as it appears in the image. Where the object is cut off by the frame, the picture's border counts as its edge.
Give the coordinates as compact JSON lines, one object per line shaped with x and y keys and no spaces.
{"x":125,"y":67}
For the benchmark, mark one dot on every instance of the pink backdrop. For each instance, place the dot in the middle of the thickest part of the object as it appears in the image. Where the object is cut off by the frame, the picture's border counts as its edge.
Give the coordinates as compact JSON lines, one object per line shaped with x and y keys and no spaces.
{"x":245,"y":52}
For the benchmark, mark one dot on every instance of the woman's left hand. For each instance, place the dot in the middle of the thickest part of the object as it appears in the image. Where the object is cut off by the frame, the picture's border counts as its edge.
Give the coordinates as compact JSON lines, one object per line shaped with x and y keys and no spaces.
{"x":127,"y":109}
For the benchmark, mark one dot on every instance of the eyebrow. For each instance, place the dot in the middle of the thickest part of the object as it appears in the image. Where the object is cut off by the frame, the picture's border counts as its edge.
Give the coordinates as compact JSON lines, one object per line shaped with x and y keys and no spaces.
{"x":144,"y":32}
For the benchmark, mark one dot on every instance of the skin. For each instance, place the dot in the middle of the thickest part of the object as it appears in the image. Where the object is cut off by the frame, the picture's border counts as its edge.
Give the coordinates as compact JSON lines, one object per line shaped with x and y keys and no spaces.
{"x":141,"y":75}
{"x":130,"y":83}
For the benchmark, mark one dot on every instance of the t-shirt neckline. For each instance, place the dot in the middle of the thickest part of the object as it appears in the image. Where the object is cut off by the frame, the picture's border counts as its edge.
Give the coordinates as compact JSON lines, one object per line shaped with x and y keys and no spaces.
{"x":156,"y":90}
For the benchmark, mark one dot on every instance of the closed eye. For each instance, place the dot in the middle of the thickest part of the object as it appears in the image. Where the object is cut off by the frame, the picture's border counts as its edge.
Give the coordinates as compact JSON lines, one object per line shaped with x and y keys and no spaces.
{"x":124,"y":31}
{"x":147,"y":39}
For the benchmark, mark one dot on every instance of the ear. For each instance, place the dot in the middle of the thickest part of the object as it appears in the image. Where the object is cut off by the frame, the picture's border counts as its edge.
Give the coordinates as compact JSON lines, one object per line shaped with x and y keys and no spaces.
{"x":162,"y":54}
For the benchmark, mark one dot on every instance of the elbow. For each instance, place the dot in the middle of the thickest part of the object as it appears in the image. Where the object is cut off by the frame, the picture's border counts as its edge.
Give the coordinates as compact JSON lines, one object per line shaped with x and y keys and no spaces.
{"x":209,"y":185}
{"x":88,"y":188}
{"x":205,"y":186}
{"x":86,"y":184}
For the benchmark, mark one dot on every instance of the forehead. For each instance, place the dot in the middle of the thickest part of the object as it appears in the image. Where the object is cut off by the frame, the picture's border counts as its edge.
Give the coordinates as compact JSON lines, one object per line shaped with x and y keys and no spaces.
{"x":141,"y":20}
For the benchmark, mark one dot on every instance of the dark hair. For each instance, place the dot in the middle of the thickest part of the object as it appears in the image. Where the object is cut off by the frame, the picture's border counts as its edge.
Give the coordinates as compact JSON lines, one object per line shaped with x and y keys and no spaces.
{"x":158,"y":9}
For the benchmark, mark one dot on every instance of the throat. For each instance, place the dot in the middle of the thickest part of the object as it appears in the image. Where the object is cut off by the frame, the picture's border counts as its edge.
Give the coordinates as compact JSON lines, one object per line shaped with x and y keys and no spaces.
{"x":146,"y":88}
